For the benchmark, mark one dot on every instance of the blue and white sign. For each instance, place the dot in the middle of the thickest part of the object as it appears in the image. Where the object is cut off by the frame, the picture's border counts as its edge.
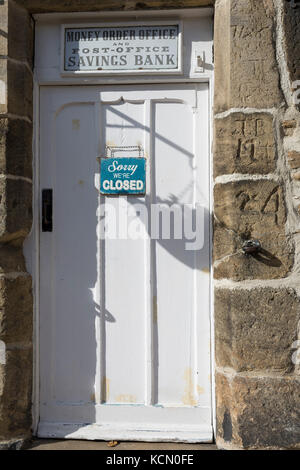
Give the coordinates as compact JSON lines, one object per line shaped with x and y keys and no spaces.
{"x":124,"y":175}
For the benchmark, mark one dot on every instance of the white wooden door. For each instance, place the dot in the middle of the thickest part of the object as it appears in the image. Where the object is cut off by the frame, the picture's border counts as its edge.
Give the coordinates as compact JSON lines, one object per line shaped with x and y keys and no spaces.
{"x":124,"y":321}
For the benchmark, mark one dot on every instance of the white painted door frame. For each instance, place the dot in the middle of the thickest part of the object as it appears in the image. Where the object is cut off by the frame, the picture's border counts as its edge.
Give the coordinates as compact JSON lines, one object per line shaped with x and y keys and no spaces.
{"x":32,"y":244}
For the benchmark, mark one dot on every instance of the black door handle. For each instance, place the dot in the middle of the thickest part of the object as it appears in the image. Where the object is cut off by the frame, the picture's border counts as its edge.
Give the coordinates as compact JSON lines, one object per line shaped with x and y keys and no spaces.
{"x":47,"y":210}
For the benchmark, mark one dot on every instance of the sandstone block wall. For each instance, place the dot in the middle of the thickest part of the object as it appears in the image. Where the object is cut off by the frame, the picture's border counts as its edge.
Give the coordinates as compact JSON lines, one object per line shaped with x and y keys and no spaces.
{"x":256,"y":191}
{"x":16,"y":309}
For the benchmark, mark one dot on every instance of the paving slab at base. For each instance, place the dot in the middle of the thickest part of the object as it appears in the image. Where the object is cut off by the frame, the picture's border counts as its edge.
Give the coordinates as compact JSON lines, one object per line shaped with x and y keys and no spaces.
{"x":52,"y":444}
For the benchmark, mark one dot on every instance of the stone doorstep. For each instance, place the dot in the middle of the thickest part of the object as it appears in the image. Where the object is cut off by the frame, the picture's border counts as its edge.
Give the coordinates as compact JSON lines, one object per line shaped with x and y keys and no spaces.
{"x":53,"y":444}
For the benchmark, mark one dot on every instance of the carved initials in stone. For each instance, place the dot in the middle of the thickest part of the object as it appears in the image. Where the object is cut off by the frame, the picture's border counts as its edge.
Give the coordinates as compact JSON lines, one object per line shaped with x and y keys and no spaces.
{"x":249,"y":129}
{"x":245,"y":149}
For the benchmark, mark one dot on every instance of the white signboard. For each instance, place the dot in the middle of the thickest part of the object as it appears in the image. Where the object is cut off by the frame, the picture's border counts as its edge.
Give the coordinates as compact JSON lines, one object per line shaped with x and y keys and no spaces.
{"x":149,"y":48}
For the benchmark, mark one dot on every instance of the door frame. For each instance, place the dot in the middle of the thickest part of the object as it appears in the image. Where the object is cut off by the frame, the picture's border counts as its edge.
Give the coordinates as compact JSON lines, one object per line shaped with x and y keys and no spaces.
{"x":32,"y":244}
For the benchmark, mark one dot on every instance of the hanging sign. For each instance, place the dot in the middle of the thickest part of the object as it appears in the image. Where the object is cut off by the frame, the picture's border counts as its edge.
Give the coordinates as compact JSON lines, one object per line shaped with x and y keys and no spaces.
{"x":149,"y":48}
{"x":124,"y":175}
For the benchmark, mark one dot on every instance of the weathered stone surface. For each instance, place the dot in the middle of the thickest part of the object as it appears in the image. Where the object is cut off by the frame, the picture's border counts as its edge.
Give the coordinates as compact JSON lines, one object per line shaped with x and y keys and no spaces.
{"x":20,"y":27}
{"x":18,"y":79}
{"x":292,"y":39}
{"x":288,"y":127}
{"x":246,"y":210}
{"x":16,"y":147}
{"x":42,"y":6}
{"x":244,"y":143}
{"x":16,"y":310}
{"x":3,"y":44}
{"x":296,"y":176}
{"x":16,"y":32}
{"x":257,"y":412}
{"x":15,"y":394}
{"x":4,"y":17}
{"x":256,"y":328}
{"x":247,"y":75}
{"x":222,"y":55}
{"x":294,"y":159}
{"x":225,"y":243}
{"x":11,"y":259}
{"x":15,"y":209}
{"x":255,"y":80}
{"x":16,"y":42}
{"x":20,"y":89}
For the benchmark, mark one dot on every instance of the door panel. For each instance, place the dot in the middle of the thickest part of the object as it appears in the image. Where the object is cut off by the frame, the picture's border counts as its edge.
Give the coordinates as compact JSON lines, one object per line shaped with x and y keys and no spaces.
{"x":174,"y":183}
{"x":123,"y":271}
{"x":124,"y":322}
{"x":67,"y":262}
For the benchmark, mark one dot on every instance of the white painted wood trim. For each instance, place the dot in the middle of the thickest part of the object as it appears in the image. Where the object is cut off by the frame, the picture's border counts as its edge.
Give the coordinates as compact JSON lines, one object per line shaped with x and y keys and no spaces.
{"x":211,"y":199}
{"x":36,"y":256}
{"x":148,"y":267}
{"x":74,"y":431}
{"x":102,"y":80}
{"x":99,"y":323}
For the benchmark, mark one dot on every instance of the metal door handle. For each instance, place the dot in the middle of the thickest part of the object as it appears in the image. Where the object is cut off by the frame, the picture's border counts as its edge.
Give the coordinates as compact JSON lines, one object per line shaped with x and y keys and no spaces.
{"x":47,"y":210}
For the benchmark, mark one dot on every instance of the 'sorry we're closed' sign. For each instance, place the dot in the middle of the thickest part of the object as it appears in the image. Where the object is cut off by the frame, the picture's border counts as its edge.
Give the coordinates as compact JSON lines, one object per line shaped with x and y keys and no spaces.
{"x":126,"y":175}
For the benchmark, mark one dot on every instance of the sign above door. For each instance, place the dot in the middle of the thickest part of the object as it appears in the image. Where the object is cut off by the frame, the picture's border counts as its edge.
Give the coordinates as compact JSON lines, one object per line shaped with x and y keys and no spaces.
{"x":127,"y":49}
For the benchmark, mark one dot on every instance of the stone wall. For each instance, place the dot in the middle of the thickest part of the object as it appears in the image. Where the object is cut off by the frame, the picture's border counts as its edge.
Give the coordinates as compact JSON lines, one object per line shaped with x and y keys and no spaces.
{"x":16,"y":311}
{"x":256,"y":191}
{"x":257,"y":195}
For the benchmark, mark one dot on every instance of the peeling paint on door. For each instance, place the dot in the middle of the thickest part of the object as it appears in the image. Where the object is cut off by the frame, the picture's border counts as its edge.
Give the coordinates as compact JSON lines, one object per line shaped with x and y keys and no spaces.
{"x":206,"y":270}
{"x":105,"y":388}
{"x":76,"y":124}
{"x":126,"y":399}
{"x":189,"y":396}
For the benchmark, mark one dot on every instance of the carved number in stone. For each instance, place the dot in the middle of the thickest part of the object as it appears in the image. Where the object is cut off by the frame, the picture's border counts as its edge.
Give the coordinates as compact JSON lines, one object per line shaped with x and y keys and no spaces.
{"x":249,"y":203}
